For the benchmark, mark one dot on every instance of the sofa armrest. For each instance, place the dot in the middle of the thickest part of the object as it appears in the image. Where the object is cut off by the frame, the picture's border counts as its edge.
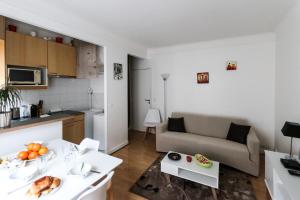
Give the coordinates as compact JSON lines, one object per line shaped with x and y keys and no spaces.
{"x":253,"y":145}
{"x":160,"y":128}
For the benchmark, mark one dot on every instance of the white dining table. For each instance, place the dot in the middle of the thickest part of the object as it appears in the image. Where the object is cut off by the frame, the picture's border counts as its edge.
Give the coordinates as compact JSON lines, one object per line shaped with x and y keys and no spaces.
{"x":71,"y":186}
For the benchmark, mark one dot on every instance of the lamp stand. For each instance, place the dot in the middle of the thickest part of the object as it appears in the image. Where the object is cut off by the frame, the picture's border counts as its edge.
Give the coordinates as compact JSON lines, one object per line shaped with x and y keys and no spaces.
{"x":289,"y":161}
{"x":165,"y":100}
{"x":165,"y":78}
{"x":290,"y":157}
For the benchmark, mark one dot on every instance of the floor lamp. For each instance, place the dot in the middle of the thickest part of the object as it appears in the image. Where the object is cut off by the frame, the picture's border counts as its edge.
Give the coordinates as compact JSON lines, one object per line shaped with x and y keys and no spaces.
{"x":165,"y":78}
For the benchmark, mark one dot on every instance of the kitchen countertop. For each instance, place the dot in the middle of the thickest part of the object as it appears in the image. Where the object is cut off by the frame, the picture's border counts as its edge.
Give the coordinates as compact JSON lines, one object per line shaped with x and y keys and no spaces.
{"x":30,"y":122}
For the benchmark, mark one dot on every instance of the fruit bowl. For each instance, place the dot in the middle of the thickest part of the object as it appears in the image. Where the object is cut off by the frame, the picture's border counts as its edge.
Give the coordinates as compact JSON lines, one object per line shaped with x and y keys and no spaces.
{"x":34,"y":150}
{"x":203,"y":161}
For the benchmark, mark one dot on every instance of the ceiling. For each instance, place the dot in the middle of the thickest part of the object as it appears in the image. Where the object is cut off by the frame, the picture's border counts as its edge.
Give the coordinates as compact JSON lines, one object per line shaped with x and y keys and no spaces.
{"x":156,"y":23}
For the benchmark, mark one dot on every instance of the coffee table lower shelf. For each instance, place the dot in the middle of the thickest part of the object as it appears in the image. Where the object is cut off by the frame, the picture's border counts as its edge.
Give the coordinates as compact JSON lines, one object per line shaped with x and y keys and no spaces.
{"x":191,"y":171}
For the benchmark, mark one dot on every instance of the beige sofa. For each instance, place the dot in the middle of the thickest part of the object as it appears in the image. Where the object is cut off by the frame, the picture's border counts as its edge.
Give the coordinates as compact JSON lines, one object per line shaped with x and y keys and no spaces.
{"x":207,"y":135}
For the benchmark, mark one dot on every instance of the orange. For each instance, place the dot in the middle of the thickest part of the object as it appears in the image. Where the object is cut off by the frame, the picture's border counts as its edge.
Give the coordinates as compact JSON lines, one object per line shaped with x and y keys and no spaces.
{"x":43,"y":151}
{"x":23,"y":155}
{"x":30,"y":146}
{"x":33,"y":155}
{"x":36,"y":147}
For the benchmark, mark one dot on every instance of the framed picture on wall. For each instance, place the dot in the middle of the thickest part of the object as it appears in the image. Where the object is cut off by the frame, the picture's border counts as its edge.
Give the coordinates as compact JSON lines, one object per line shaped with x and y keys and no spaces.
{"x":202,"y":77}
{"x":118,"y":71}
{"x":231,"y":65}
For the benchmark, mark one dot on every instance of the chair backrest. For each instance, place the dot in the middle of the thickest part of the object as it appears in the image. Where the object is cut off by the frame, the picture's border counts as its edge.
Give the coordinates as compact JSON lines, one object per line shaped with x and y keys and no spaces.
{"x":97,"y":192}
{"x":152,"y":117}
{"x":90,"y":144}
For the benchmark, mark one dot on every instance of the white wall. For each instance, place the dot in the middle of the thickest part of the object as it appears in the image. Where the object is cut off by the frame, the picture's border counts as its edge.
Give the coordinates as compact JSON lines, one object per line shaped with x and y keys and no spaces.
{"x":248,"y":92}
{"x":44,"y":132}
{"x":288,"y":76}
{"x":65,"y":93}
{"x":116,"y":101}
{"x":115,"y":50}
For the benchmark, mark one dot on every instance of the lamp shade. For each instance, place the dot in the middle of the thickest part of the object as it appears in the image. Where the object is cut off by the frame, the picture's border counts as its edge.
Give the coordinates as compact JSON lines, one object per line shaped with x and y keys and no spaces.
{"x":165,"y":76}
{"x":152,"y":118}
{"x":291,"y":129}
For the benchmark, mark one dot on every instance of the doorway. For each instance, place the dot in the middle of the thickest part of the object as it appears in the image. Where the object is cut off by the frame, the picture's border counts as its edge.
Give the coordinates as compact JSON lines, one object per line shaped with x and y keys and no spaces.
{"x":139,"y":92}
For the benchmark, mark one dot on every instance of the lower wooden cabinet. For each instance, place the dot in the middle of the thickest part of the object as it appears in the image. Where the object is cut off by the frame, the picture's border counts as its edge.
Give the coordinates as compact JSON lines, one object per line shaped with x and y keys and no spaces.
{"x":73,"y":129}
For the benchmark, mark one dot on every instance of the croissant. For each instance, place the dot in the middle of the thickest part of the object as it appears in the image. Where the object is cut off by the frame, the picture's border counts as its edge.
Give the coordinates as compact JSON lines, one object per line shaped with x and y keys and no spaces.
{"x":43,"y":186}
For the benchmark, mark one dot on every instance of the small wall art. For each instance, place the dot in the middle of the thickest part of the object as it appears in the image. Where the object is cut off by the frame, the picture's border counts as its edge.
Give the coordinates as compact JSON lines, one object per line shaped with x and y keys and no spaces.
{"x":203,"y":77}
{"x":118,"y":71}
{"x":231,"y":65}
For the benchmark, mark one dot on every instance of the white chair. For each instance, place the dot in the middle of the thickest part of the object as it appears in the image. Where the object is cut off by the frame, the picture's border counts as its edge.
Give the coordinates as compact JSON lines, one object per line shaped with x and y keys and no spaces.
{"x":98,"y":192}
{"x":152,"y":120}
{"x":90,"y":144}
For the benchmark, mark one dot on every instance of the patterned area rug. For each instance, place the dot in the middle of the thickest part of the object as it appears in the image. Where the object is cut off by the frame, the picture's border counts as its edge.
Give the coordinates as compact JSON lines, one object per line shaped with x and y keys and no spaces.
{"x":153,"y":185}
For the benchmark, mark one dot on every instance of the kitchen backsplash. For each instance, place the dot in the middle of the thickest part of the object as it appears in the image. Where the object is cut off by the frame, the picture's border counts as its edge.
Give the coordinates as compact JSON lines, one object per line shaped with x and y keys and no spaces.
{"x":64,"y":93}
{"x":98,"y":100}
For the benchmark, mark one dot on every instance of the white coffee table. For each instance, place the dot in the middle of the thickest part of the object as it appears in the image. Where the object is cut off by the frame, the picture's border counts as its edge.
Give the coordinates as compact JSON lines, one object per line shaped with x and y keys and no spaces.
{"x":193,"y":172}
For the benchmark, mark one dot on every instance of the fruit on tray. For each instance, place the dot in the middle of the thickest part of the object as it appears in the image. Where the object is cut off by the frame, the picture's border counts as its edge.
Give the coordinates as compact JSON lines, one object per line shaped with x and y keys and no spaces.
{"x":23,"y":155}
{"x":189,"y":158}
{"x":203,"y":161}
{"x":43,"y":151}
{"x":33,"y":155}
{"x":34,"y":150}
{"x":36,"y":147}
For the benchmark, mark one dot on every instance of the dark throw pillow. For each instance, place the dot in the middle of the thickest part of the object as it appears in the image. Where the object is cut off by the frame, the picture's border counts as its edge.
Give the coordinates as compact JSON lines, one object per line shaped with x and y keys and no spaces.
{"x":176,"y":124}
{"x":238,"y":133}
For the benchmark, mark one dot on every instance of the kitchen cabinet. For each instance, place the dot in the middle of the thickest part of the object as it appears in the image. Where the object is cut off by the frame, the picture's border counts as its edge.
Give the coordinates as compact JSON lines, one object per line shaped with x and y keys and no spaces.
{"x":24,"y":50}
{"x":15,"y":49}
{"x":35,"y":51}
{"x":61,"y":59}
{"x":2,"y":27}
{"x":73,"y":129}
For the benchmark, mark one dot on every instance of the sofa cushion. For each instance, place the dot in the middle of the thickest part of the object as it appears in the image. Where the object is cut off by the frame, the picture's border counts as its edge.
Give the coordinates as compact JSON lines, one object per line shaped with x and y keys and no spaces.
{"x":222,"y":150}
{"x":212,"y":126}
{"x":176,"y":124}
{"x":238,"y":133}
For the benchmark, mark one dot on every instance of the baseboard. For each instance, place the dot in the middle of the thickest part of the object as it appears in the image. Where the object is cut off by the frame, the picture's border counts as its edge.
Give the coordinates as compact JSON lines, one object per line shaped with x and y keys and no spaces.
{"x":136,"y":130}
{"x":118,"y":147}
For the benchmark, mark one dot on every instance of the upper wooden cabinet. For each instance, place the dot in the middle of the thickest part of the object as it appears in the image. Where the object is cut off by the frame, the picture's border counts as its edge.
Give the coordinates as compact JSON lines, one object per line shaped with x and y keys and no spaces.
{"x":35,"y":51}
{"x":2,"y":27}
{"x":24,"y":50}
{"x":15,"y":48}
{"x":61,"y":59}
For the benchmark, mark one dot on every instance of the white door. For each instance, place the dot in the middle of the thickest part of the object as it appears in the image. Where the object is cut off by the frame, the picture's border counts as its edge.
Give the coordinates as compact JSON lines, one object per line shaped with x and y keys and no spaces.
{"x":141,"y":97}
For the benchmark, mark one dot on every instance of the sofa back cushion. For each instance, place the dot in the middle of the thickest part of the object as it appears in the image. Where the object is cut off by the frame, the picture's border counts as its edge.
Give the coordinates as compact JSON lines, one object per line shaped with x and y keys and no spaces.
{"x":176,"y":124}
{"x":206,"y":125}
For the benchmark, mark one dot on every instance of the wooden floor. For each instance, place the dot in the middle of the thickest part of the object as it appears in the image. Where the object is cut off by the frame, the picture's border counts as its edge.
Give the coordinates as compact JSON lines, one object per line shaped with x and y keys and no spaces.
{"x":139,"y":155}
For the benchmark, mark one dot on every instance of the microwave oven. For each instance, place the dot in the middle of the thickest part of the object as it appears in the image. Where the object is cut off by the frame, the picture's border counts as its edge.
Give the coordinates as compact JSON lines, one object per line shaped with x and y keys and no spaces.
{"x":21,"y":76}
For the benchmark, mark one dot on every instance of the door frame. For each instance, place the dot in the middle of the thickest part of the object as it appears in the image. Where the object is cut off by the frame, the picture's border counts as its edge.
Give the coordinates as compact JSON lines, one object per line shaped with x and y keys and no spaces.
{"x":131,"y":68}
